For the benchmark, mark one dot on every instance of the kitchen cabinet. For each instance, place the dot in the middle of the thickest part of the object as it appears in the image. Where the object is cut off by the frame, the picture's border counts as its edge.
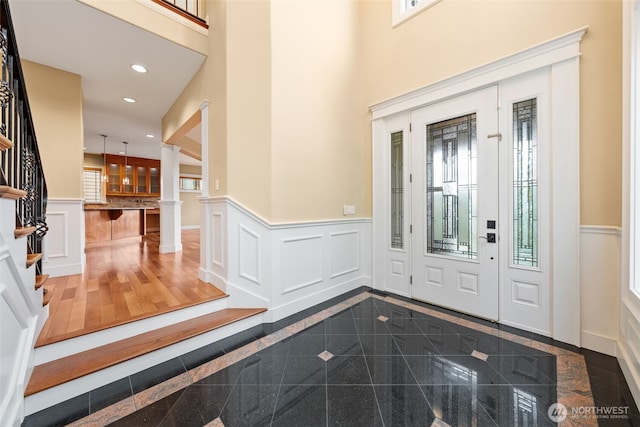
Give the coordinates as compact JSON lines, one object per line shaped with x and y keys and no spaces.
{"x":138,"y":177}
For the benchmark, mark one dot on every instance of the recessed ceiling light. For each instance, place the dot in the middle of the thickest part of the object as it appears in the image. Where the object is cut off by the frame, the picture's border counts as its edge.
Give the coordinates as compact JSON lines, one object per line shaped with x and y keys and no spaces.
{"x":150,"y":136}
{"x":139,"y":68}
{"x":130,"y":100}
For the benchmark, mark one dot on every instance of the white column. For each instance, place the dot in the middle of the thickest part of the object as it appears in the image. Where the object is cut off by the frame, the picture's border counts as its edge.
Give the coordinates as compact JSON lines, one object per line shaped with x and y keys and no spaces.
{"x":170,"y":215}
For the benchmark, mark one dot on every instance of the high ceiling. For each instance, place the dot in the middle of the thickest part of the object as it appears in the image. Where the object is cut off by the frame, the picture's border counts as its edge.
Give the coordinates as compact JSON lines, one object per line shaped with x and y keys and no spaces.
{"x":71,"y":36}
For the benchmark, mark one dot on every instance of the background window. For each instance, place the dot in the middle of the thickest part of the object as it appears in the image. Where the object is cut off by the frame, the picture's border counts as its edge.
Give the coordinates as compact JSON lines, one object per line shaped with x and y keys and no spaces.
{"x":92,"y":185}
{"x":190,"y":183}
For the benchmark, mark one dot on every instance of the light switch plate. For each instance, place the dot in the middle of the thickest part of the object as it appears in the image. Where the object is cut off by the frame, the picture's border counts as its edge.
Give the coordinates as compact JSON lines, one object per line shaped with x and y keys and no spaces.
{"x":349,"y":210}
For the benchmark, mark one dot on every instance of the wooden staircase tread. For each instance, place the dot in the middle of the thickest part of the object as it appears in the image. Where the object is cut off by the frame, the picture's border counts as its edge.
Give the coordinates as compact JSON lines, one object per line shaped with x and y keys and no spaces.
{"x":72,"y":367}
{"x":7,"y":192}
{"x":5,"y":143}
{"x":23,"y":231}
{"x":32,"y":259}
{"x":40,"y":279}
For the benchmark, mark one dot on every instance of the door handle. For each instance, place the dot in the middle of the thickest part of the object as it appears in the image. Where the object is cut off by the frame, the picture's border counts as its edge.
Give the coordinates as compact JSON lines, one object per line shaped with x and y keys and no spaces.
{"x":490,"y":237}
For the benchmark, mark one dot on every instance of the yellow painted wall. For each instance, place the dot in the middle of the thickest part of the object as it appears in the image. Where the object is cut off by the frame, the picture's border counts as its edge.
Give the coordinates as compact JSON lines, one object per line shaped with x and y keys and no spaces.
{"x":55,"y":97}
{"x":320,"y":154}
{"x":457,"y":35}
{"x":249,"y":126}
{"x":290,"y":84}
{"x":287,"y":121}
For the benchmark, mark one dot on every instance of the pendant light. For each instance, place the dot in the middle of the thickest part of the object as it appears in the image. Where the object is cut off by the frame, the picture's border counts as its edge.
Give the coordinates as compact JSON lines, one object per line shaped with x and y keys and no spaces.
{"x":105,"y":177}
{"x":125,"y":180}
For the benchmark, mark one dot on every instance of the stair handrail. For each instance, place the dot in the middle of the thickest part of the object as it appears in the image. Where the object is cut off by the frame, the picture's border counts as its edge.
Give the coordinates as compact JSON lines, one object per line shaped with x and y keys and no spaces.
{"x":20,"y":165}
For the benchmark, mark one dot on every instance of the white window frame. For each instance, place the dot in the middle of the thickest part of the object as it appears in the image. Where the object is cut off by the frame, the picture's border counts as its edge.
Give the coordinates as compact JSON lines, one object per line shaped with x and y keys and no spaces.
{"x":399,"y":14}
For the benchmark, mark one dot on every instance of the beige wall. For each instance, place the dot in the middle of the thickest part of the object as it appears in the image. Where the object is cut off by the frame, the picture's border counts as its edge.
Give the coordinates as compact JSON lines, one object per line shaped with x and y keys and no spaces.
{"x":456,"y":35}
{"x":249,"y":113}
{"x":320,"y":154}
{"x":287,"y":123}
{"x":55,"y":98}
{"x":190,"y":213}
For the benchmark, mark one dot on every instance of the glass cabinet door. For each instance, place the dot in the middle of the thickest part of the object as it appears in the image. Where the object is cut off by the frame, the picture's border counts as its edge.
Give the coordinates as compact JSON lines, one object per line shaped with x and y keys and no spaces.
{"x":128,"y":179}
{"x":141,"y":179}
{"x":114,"y":178}
{"x":154,"y":180}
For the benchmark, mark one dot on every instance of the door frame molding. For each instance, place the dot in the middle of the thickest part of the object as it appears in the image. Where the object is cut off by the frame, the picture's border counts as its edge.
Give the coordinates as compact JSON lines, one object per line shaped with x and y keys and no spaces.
{"x":562,"y":56}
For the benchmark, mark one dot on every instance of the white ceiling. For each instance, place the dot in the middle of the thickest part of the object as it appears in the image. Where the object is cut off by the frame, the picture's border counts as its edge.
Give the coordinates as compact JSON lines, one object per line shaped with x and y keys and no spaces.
{"x":71,"y":36}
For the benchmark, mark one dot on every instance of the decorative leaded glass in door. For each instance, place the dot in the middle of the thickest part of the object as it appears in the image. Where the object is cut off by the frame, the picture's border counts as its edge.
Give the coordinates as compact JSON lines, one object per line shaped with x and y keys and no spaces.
{"x":525,"y":184}
{"x":452,"y":187}
{"x":397,"y":191}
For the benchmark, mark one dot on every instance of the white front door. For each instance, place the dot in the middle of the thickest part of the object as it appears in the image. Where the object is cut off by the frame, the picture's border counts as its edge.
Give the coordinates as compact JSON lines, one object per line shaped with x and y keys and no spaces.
{"x":455,"y":237}
{"x":428,"y":247}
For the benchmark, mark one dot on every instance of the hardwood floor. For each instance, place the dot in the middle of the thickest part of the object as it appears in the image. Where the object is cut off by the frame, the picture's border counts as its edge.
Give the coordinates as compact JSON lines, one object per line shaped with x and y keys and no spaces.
{"x":123,"y":283}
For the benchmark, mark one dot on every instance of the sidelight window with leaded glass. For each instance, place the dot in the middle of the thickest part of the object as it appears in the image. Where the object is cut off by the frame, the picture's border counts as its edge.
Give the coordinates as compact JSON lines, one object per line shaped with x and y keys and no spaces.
{"x":525,"y":184}
{"x":451,"y":164}
{"x":397,"y":190}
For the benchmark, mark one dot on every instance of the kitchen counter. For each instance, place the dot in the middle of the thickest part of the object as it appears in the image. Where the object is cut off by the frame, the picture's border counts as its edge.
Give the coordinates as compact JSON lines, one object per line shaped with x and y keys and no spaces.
{"x":107,"y":223}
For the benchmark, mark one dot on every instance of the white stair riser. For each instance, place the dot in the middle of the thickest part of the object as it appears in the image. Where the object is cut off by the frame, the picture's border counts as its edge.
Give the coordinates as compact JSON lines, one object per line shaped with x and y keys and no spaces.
{"x":83,"y":343}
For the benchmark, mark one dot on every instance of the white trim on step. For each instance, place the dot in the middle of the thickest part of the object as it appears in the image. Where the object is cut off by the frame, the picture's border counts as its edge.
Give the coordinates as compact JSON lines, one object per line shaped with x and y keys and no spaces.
{"x":86,"y":342}
{"x":63,"y":392}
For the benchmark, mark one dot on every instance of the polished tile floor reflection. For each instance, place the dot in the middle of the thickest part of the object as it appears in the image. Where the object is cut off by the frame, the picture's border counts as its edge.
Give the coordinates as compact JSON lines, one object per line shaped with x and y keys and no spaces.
{"x":366,"y":361}
{"x":385,"y":366}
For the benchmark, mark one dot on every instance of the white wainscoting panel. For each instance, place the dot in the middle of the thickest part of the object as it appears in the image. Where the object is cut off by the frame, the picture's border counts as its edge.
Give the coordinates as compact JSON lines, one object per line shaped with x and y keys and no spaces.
{"x":345,"y":252}
{"x":59,"y":247}
{"x":628,"y":349}
{"x":249,"y":259}
{"x":63,"y":253}
{"x":218,"y":238}
{"x":600,"y":287}
{"x":302,"y":262}
{"x":283,"y":267}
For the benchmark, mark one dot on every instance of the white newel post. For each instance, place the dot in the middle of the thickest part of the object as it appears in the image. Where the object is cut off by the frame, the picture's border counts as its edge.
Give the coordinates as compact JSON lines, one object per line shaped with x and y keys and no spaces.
{"x":170,"y":217}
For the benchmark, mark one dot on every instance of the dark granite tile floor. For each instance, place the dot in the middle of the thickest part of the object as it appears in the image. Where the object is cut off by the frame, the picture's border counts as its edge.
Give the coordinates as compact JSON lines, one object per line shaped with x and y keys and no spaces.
{"x":405,"y":368}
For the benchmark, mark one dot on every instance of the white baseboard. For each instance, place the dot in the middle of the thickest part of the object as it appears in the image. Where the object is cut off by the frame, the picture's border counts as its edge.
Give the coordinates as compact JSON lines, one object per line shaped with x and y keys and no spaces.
{"x":63,"y":270}
{"x":190,"y":227}
{"x":165,"y":249}
{"x":277,"y":313}
{"x":599,"y":343}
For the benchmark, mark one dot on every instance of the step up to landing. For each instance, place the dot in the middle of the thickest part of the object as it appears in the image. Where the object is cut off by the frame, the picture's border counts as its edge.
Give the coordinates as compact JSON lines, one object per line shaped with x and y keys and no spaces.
{"x":60,"y":371}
